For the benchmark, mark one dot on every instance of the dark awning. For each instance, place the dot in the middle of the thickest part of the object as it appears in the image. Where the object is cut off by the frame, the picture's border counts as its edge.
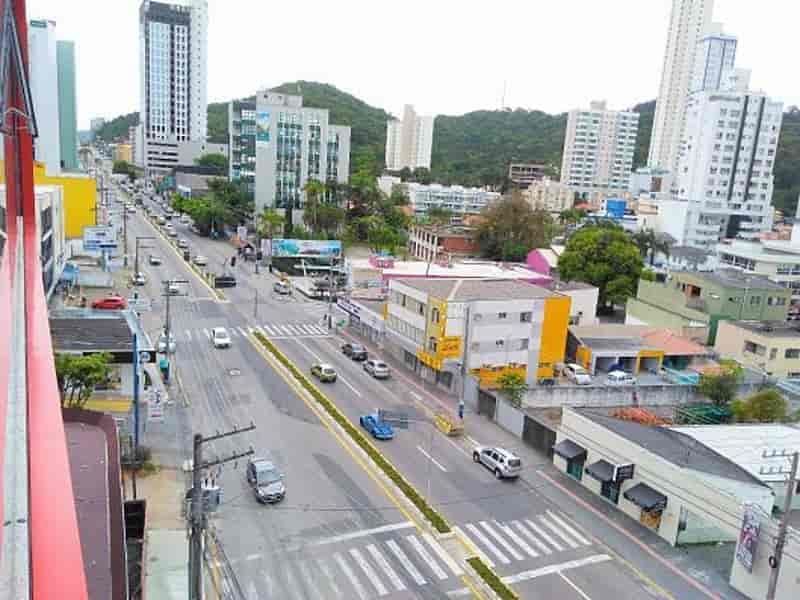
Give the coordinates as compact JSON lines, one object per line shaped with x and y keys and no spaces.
{"x":647,"y":498}
{"x":568,"y":450}
{"x":601,"y":470}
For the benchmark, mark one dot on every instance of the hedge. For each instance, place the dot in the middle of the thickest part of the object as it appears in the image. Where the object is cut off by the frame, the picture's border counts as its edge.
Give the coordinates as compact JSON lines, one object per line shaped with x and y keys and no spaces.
{"x":355,"y":434}
{"x":492,"y":580}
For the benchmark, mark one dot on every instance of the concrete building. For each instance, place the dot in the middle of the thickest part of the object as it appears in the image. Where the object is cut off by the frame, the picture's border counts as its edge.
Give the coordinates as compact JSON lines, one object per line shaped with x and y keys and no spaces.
{"x":598,"y":148}
{"x":173,"y":48}
{"x":67,"y":105}
{"x":43,"y":66}
{"x":491,"y":327}
{"x":189,"y":152}
{"x":551,"y":196}
{"x":650,"y":182}
{"x":409,"y":141}
{"x":433,"y":243}
{"x":459,"y":200}
{"x":691,"y":304}
{"x":583,"y":300}
{"x":524,"y":174}
{"x":96,"y":123}
{"x":714,"y":58}
{"x":277,"y":146}
{"x":688,"y":20}
{"x":770,"y":347}
{"x":123,"y":152}
{"x":136,"y":139}
{"x":725,"y":167}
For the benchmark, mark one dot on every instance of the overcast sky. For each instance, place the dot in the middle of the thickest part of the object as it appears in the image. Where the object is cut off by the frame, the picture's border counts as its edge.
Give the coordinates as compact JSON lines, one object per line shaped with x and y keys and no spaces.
{"x":443,"y":56}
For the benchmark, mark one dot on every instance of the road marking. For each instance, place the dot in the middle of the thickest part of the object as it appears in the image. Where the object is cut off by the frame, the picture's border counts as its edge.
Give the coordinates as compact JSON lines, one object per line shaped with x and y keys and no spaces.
{"x":251,"y":557}
{"x":501,"y":540}
{"x":252,"y":592}
{"x":363,"y":533}
{"x":433,"y":460}
{"x":444,"y":556}
{"x":307,"y":329}
{"x":555,"y":530}
{"x":291,"y":582}
{"x":340,"y":377}
{"x":326,"y":569}
{"x":407,"y":564}
{"x":487,"y":542}
{"x":362,"y":593}
{"x":268,"y":329}
{"x":518,"y":540}
{"x":546,"y":536}
{"x":472,"y":440}
{"x":269,"y":581}
{"x":318,"y":330}
{"x":208,"y":335}
{"x":369,"y":572}
{"x":308,"y":578}
{"x":573,"y":586}
{"x":387,"y":568}
{"x":533,"y":574}
{"x":426,"y":557}
{"x":473,"y":547}
{"x":416,"y":396}
{"x":242,"y":331}
{"x":571,"y":530}
{"x":189,"y":335}
{"x":293,"y":331}
{"x":524,"y":531}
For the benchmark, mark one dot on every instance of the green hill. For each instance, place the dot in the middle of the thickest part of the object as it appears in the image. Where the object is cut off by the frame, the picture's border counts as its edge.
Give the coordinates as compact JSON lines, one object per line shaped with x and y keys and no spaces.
{"x":475,"y":148}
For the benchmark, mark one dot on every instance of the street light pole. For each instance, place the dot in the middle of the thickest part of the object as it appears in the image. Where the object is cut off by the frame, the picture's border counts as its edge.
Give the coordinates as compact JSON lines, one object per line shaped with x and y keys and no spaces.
{"x":125,"y":235}
{"x":775,"y":559}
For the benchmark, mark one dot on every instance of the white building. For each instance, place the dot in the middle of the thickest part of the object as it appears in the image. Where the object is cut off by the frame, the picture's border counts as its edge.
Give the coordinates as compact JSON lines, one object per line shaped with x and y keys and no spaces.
{"x":714,"y":58}
{"x":387,"y":182}
{"x":459,"y":200}
{"x":43,"y":68}
{"x":688,"y":20}
{"x":549,"y":195}
{"x":173,"y":48}
{"x":725,"y":169}
{"x":598,"y":149}
{"x":96,"y":123}
{"x":409,"y":141}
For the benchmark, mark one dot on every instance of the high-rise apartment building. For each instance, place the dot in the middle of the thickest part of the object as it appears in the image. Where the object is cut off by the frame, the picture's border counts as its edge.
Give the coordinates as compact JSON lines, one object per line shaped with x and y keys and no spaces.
{"x":715,"y":56}
{"x":276,"y":146}
{"x":96,"y":123}
{"x":598,"y":148}
{"x":724,"y":182}
{"x":42,"y":49}
{"x":173,"y":48}
{"x":67,"y":105}
{"x":409,"y":142}
{"x":688,"y":21}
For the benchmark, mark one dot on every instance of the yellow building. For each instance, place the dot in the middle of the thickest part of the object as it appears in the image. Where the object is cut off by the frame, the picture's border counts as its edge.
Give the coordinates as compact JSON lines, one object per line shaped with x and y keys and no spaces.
{"x":772,"y":347}
{"x":124,"y":152}
{"x":80,"y":197}
{"x":490,"y":327}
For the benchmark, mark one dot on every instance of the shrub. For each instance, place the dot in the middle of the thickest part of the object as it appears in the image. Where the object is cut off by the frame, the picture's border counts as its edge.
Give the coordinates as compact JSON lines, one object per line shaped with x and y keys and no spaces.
{"x":492,"y":580}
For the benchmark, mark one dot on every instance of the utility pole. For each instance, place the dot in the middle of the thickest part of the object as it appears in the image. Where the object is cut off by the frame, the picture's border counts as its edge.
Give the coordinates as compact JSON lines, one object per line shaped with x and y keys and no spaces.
{"x":776,"y":559}
{"x":332,"y":285}
{"x":125,"y":235}
{"x":255,"y":306}
{"x":167,"y":319}
{"x":197,"y":515}
{"x":136,"y":254}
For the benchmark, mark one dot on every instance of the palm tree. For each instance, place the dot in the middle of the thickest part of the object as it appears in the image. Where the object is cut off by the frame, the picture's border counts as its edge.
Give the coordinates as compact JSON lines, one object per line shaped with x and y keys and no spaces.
{"x":268,"y":222}
{"x":315,"y":191}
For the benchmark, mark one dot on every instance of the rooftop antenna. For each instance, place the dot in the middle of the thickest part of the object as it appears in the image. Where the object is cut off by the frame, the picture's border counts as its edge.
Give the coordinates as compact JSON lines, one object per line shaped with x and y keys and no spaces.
{"x":503,"y":98}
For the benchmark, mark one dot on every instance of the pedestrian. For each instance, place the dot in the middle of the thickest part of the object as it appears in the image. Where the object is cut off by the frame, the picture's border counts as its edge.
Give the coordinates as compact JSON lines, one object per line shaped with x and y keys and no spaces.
{"x":461,"y":409}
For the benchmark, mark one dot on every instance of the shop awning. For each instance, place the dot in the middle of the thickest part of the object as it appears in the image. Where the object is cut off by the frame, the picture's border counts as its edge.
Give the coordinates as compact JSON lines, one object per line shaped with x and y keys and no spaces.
{"x":647,"y":498}
{"x":601,"y":470}
{"x":569,"y":450}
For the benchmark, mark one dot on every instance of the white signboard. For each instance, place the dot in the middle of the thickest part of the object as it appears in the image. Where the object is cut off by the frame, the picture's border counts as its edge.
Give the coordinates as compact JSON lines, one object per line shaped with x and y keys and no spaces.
{"x":140,"y":304}
{"x":155,"y":407}
{"x":99,"y":238}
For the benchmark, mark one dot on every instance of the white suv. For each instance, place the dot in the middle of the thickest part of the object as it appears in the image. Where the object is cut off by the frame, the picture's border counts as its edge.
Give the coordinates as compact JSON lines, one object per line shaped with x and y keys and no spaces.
{"x":220,"y":337}
{"x":502,"y":463}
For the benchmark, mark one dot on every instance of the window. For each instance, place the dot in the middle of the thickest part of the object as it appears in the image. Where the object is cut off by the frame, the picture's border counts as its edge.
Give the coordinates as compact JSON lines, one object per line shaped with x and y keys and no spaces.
{"x":435,"y":315}
{"x":792,"y":353}
{"x":525,"y":317}
{"x":610,"y":491}
{"x":753,"y":348}
{"x":773,"y":353}
{"x":523,"y":344}
{"x":755,"y":300}
{"x":502,"y":315}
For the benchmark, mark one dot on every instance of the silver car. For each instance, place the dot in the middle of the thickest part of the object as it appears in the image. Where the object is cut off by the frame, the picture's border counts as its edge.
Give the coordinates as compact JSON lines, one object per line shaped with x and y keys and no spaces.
{"x":502,"y":463}
{"x":377,"y":368}
{"x":265,"y":480}
{"x":163,"y":346}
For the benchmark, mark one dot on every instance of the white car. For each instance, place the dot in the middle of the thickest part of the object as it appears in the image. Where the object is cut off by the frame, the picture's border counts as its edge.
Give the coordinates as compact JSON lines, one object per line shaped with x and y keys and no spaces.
{"x":501,"y":462}
{"x":182,"y":243}
{"x":620,"y":378}
{"x":200,"y":260}
{"x":220,"y":337}
{"x":577,"y":374}
{"x":138,"y":279}
{"x":162,"y":343}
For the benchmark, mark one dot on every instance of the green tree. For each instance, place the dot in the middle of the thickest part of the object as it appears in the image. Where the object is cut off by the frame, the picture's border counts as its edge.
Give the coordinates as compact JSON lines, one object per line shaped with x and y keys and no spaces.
{"x":268,"y":223}
{"x":651,"y":243}
{"x":604,"y":257}
{"x":721,"y":387}
{"x":571,"y":216}
{"x":315,"y":191}
{"x":438,"y":215}
{"x":765,"y":406}
{"x":514,"y":387}
{"x":213,"y":159}
{"x":78,"y":376}
{"x":510,"y":229}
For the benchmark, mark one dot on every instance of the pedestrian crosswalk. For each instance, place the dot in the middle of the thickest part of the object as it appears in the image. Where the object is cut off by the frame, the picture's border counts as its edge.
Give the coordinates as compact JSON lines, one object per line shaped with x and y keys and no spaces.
{"x":397,"y":563}
{"x":271,"y":330}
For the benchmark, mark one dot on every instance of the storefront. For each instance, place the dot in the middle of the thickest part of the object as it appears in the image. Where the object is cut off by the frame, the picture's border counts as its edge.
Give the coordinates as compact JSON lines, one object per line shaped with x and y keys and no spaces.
{"x":365,"y":318}
{"x":649,"y":504}
{"x":572,"y":456}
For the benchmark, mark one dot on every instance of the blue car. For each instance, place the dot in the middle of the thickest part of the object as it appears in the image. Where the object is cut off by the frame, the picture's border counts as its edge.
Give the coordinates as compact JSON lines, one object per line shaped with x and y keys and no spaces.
{"x":378,"y":429}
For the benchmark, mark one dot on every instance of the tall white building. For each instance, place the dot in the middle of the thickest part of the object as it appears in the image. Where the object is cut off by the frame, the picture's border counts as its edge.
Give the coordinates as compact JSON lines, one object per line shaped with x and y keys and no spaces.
{"x":724,"y":180}
{"x":409,"y":142}
{"x":44,"y":89}
{"x":598,"y":148}
{"x":173,"y":47}
{"x":688,"y":21}
{"x":714,"y":58}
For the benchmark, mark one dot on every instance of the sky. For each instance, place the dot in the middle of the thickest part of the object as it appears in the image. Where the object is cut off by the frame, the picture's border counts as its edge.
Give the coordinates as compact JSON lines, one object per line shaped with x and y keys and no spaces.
{"x":443,"y":56}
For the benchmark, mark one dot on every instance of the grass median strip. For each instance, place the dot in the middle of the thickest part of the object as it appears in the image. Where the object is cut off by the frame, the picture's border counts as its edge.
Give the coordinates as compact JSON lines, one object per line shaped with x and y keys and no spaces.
{"x":491,"y":579}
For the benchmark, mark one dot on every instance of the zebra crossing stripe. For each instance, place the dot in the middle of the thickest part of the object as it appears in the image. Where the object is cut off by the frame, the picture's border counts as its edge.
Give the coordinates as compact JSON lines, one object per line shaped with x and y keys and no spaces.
{"x":252,"y":592}
{"x":501,"y":540}
{"x":444,"y":556}
{"x":524,"y":531}
{"x":351,"y":577}
{"x":475,"y":547}
{"x":284,"y":329}
{"x":569,"y":529}
{"x":189,"y":335}
{"x":426,"y":557}
{"x":295,"y":590}
{"x":486,"y":542}
{"x":518,"y":540}
{"x":243,"y":331}
{"x":407,"y":564}
{"x":369,"y":572}
{"x":269,"y":582}
{"x":305,"y":329}
{"x":555,"y":530}
{"x":326,"y":569}
{"x":387,"y":568}
{"x":268,"y":329}
{"x":308,"y":579}
{"x":208,"y":335}
{"x":544,"y":535}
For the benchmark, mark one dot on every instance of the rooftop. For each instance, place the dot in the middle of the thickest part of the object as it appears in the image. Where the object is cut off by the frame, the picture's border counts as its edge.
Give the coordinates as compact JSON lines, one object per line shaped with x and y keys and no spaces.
{"x":485,"y":289}
{"x":466,"y":269}
{"x":771,"y":251}
{"x":612,"y":335}
{"x":773,"y":329}
{"x":733,"y":278}
{"x":447,"y":230}
{"x":689,"y":253}
{"x":88,"y":330}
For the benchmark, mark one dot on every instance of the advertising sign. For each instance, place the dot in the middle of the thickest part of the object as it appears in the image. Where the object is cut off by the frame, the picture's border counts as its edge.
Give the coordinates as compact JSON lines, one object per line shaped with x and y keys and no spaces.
{"x":748,"y":538}
{"x":623,"y":472}
{"x":99,"y":238}
{"x":449,"y":346}
{"x":262,"y":128}
{"x":306,"y":248}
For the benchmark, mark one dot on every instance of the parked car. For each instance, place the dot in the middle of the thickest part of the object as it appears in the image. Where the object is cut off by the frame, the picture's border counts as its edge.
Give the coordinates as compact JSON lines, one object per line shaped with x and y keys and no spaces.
{"x":161,"y":220}
{"x":577,"y":374}
{"x":200,"y":260}
{"x":131,"y":210}
{"x":282,"y":287}
{"x":110,"y":303}
{"x":224,"y":281}
{"x":173,"y":289}
{"x":355,"y":351}
{"x":378,"y":429}
{"x":265,"y":480}
{"x":220,"y":337}
{"x":502,"y":463}
{"x":324,"y":372}
{"x":138,"y":279}
{"x":377,"y":368}
{"x":154,"y":260}
{"x":163,"y":345}
{"x":186,"y":219}
{"x":620,"y":378}
{"x":183,"y":243}
{"x":172,"y":233}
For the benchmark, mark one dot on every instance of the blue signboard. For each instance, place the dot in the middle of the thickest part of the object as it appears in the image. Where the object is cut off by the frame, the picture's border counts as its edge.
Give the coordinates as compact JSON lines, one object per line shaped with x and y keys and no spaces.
{"x":306,"y":248}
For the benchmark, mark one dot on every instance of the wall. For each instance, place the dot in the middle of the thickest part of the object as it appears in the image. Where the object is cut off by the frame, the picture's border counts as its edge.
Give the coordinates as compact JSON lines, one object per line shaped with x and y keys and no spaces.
{"x":189,"y":151}
{"x":510,"y":418}
{"x":67,"y":109}
{"x":44,"y":89}
{"x":731,"y":340}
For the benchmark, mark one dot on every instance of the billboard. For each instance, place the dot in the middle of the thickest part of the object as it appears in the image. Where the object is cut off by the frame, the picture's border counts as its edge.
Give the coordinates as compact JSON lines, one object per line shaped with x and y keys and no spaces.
{"x":99,"y":238}
{"x":748,"y":538}
{"x":615,"y":208}
{"x":306,"y":248}
{"x":262,"y":128}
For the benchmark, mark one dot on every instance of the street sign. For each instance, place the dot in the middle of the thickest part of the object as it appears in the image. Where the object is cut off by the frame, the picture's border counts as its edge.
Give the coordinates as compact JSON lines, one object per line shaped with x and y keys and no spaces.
{"x":623,"y":472}
{"x":398,"y":419}
{"x":145,"y":357}
{"x":95,"y":238}
{"x":155,"y":407}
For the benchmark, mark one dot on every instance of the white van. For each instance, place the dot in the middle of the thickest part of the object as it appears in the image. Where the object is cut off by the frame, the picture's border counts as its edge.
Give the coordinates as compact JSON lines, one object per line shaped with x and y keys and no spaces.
{"x":577,"y":374}
{"x":620,"y":378}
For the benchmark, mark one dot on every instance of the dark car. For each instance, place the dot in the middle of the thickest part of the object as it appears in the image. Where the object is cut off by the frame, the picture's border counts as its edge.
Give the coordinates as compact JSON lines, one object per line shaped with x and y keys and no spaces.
{"x":355,"y":351}
{"x":266,"y":481}
{"x":224,"y":281}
